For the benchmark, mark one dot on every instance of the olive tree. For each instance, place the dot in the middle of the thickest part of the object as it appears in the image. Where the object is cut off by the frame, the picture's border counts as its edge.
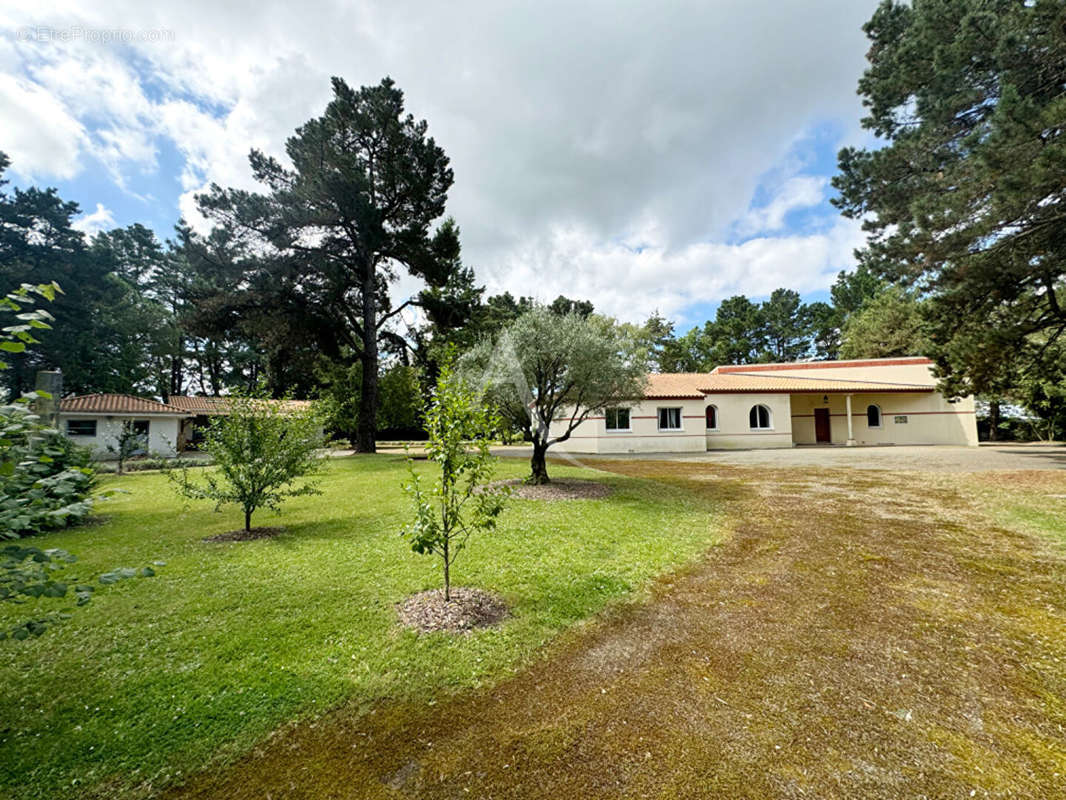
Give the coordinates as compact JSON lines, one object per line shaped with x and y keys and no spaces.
{"x":460,"y":501}
{"x":261,"y":449}
{"x":547,"y":368}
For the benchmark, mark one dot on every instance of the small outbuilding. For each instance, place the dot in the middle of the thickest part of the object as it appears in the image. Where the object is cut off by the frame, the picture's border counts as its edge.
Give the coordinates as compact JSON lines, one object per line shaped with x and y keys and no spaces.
{"x":95,"y":421}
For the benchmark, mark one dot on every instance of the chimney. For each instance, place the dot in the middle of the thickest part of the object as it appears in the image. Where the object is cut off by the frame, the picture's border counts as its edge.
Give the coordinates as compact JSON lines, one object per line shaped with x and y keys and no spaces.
{"x":47,"y":408}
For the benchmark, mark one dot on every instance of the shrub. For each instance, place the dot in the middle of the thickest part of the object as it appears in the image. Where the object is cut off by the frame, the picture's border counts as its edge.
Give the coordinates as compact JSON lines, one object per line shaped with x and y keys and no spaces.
{"x":45,"y":479}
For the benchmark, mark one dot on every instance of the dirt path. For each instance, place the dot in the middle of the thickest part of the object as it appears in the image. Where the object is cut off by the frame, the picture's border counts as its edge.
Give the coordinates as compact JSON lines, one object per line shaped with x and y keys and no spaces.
{"x":861,"y":635}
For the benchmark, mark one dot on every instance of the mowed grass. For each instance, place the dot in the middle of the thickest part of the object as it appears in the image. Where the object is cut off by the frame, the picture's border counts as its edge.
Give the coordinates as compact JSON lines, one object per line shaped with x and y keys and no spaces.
{"x":158,"y":678}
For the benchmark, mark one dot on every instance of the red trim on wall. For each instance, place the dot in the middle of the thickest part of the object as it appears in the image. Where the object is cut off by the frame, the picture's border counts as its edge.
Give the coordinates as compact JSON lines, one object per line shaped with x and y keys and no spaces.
{"x":656,"y":435}
{"x":889,"y":413}
{"x":751,"y":433}
{"x":879,"y":362}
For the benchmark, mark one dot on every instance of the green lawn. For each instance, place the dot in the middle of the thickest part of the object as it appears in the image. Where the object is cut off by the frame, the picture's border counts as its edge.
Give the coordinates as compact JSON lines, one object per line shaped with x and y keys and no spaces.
{"x":158,"y":677}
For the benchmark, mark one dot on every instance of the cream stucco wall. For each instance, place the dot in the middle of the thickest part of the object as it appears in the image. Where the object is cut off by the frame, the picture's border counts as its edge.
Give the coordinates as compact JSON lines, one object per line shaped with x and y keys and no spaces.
{"x":162,"y":434}
{"x":644,"y":436}
{"x":930,"y":419}
{"x":734,"y":431}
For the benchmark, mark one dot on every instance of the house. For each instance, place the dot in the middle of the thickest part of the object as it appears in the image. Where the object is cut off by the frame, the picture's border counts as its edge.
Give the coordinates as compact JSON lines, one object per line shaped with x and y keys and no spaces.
{"x":200,"y":409}
{"x":96,"y":420}
{"x":859,"y":402}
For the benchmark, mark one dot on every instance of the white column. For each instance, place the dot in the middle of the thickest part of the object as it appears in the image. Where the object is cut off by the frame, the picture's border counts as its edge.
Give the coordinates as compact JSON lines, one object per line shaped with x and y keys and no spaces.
{"x":851,"y":437}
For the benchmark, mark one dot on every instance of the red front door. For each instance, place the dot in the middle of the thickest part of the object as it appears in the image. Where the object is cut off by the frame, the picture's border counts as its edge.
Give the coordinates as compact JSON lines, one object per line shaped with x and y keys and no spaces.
{"x":821,"y":425}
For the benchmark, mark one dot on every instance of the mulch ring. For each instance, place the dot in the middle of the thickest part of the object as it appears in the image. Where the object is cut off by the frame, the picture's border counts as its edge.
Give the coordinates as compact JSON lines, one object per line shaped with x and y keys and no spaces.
{"x":468,"y":609}
{"x":245,"y":536}
{"x":558,"y":489}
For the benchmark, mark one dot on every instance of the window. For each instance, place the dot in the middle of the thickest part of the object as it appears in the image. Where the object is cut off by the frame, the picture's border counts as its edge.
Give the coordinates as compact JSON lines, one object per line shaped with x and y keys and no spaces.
{"x":712,"y":418}
{"x":140,"y":427}
{"x":669,"y":419}
{"x":759,"y":417}
{"x":81,"y":427}
{"x":617,"y":419}
{"x":873,"y":417}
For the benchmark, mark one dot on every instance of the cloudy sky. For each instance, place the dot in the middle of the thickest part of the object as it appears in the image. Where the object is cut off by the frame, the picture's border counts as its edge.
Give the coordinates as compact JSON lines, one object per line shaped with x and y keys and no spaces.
{"x":642,"y":155}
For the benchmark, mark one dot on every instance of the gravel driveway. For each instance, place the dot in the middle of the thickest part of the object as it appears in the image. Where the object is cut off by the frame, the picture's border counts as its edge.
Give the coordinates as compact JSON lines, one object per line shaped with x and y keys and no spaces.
{"x":928,"y":458}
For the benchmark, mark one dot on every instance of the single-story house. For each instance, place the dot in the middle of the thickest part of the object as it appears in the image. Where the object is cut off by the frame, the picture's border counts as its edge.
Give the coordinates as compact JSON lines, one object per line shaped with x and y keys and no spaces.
{"x":859,"y":402}
{"x":200,"y":409}
{"x":96,"y":420}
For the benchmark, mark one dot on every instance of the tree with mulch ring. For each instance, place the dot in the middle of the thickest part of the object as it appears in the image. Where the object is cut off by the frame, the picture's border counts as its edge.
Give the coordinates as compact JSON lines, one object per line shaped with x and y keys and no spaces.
{"x":261,"y":449}
{"x":465,"y":610}
{"x":461,"y":502}
{"x":245,"y":535}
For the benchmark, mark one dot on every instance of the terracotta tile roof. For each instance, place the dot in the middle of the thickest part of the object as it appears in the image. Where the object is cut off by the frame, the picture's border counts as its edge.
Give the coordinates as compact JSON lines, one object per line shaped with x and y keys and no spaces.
{"x":207,"y":406}
{"x":797,"y":365}
{"x":114,"y":404}
{"x":676,"y":384}
{"x":741,"y":382}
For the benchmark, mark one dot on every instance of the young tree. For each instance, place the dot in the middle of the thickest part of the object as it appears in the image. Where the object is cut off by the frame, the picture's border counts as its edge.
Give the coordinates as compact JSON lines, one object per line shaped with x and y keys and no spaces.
{"x":261,"y":449}
{"x":545,"y":367}
{"x":460,"y":503}
{"x":127,"y":444}
{"x":967,"y":200}
{"x":331,"y":233}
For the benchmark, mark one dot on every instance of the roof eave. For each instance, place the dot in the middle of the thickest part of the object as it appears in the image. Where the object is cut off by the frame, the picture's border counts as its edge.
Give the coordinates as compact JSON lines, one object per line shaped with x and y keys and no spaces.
{"x":856,"y":390}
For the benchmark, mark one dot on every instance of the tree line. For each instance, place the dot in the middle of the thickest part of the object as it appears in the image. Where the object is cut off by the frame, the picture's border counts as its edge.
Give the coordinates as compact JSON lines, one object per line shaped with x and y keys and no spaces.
{"x":866,"y":318}
{"x":291,"y":289}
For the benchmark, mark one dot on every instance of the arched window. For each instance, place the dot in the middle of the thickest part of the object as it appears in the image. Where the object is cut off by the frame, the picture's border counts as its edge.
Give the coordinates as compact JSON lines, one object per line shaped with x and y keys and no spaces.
{"x":759,"y":417}
{"x":873,"y":416}
{"x":712,"y":418}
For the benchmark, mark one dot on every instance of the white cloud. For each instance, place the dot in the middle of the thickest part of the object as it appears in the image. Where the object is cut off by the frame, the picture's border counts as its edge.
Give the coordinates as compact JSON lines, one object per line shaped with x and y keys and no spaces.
{"x":38,"y":133}
{"x":99,"y":220}
{"x":798,"y":192}
{"x":630,"y":283}
{"x":571,"y":127}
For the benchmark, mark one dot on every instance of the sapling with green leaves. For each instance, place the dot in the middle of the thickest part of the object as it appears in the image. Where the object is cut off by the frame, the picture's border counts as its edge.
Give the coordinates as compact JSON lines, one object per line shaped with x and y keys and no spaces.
{"x":128,"y":443}
{"x":461,"y":501}
{"x":261,"y":450}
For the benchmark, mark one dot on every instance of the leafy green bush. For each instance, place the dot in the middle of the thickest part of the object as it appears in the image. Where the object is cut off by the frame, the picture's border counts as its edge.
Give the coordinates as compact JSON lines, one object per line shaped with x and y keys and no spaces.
{"x":45,"y":479}
{"x":28,"y":574}
{"x":153,"y":463}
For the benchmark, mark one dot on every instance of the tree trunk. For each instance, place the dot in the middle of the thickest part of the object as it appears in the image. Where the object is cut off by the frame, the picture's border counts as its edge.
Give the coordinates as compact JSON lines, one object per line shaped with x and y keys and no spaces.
{"x":538,"y":465}
{"x":993,"y":420}
{"x":447,"y":576}
{"x":247,"y":519}
{"x":366,"y":427}
{"x":177,"y":370}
